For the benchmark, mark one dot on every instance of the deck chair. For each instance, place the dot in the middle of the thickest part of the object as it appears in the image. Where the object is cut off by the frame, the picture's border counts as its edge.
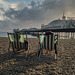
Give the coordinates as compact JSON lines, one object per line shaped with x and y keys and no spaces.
{"x":16,"y":40}
{"x":47,"y":42}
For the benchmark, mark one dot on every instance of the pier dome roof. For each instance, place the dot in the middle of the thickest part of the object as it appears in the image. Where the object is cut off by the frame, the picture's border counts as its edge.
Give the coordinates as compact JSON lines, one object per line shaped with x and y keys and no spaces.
{"x":55,"y":22}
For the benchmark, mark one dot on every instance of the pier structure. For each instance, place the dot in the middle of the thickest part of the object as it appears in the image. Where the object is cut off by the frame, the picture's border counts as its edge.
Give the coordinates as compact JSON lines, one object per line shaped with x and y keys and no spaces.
{"x":62,"y":33}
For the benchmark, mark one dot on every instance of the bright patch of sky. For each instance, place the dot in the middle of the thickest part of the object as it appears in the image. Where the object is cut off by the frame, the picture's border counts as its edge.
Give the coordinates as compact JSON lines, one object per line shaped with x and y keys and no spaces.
{"x":31,"y":0}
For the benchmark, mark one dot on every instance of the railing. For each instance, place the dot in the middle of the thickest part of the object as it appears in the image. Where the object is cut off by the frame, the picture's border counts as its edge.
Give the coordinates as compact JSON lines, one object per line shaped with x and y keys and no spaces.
{"x":66,"y":35}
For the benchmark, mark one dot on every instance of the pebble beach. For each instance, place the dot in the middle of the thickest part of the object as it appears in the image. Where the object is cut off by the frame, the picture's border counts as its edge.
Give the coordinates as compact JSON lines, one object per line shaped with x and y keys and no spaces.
{"x":64,"y":65}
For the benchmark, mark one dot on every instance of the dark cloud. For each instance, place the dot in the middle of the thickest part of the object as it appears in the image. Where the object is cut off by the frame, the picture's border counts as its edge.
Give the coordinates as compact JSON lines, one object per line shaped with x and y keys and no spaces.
{"x":53,"y":4}
{"x":33,"y":3}
{"x":11,"y":12}
{"x":58,"y":4}
{"x":34,"y":13}
{"x":39,"y":13}
{"x":2,"y":9}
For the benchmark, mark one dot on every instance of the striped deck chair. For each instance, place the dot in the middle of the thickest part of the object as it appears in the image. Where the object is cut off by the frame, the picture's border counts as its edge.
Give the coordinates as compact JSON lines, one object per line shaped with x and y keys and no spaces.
{"x":16,"y":40}
{"x":48,"y":42}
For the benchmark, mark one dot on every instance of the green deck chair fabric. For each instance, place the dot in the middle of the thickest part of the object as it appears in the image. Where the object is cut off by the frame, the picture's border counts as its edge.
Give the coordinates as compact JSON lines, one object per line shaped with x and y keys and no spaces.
{"x":11,"y":36}
{"x":47,"y":41}
{"x":55,"y":39}
{"x":21,"y":38}
{"x":17,"y":40}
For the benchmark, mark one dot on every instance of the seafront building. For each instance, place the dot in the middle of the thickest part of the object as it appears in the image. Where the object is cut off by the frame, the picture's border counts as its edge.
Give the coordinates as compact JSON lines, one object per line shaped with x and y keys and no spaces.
{"x":64,"y":22}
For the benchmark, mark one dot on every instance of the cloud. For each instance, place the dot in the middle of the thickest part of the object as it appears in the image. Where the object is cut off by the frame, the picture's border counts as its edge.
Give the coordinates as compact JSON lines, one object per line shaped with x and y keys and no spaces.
{"x":38,"y":11}
{"x":4,"y":5}
{"x":19,"y":5}
{"x":21,"y":14}
{"x":58,"y":4}
{"x":13,"y":1}
{"x":25,"y":14}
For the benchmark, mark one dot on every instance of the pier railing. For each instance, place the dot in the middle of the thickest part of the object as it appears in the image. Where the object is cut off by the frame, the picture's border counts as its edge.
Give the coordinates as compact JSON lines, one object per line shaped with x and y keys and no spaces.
{"x":66,"y":35}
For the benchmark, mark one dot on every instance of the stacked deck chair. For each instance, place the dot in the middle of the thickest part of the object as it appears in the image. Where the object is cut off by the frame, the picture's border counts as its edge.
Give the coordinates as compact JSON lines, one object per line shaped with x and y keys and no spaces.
{"x":48,"y":42}
{"x":18,"y":44}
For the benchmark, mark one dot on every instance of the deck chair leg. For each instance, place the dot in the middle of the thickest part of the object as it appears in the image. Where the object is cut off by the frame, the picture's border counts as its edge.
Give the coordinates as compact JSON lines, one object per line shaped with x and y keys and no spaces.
{"x":28,"y":49}
{"x":51,"y":53}
{"x":46,"y":52}
{"x":39,"y":53}
{"x":55,"y":51}
{"x":25,"y":53}
{"x":9,"y":50}
{"x":55,"y":56}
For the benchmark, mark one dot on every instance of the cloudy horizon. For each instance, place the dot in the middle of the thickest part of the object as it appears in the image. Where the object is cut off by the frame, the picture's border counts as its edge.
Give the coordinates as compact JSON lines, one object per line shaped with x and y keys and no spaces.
{"x":32,"y":13}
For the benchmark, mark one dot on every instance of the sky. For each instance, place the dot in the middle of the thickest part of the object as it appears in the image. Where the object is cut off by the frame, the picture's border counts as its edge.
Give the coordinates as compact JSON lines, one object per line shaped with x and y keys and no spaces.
{"x":24,"y":14}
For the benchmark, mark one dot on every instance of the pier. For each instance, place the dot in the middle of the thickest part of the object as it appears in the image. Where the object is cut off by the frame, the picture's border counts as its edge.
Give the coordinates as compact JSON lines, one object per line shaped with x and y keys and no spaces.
{"x":62,"y":33}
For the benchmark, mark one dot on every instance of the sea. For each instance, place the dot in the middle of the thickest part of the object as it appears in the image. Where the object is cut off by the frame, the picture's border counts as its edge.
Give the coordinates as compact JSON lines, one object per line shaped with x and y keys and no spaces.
{"x":4,"y":34}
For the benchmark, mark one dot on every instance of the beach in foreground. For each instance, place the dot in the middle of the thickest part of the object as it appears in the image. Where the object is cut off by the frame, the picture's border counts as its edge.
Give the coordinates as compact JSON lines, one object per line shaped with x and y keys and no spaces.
{"x":64,"y":65}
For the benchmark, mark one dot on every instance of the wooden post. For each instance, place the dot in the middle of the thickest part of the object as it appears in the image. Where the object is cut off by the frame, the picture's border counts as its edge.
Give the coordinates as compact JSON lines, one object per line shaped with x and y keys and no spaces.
{"x":26,"y":36}
{"x":59,"y":35}
{"x":63,"y":35}
{"x":73,"y":35}
{"x":68,"y":35}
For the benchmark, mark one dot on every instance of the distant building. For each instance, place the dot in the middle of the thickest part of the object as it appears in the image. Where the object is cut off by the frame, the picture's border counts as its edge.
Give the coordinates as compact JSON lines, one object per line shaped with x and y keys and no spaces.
{"x":33,"y":29}
{"x":15,"y":30}
{"x":65,"y":22}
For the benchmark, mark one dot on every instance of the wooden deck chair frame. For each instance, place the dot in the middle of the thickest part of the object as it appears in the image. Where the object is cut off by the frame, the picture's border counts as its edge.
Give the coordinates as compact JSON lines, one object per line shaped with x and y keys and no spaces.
{"x":11,"y":41}
{"x":55,"y":45}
